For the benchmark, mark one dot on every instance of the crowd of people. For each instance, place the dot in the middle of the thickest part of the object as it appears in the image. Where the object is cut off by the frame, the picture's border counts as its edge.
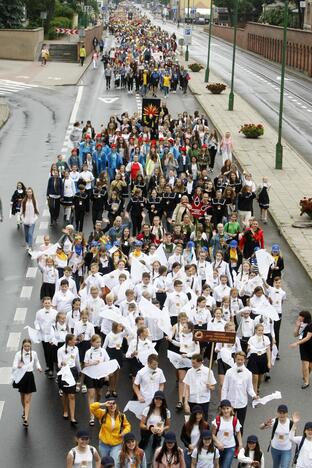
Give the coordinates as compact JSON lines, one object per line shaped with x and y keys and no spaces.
{"x":175,"y":250}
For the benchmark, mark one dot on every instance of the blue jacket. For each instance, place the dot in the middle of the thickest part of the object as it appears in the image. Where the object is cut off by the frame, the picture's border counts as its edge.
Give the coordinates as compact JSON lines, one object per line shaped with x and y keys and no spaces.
{"x":55,"y":187}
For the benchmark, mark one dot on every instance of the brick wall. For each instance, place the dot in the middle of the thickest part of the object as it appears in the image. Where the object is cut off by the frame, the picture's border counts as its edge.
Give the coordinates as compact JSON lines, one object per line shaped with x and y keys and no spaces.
{"x":267,"y":41}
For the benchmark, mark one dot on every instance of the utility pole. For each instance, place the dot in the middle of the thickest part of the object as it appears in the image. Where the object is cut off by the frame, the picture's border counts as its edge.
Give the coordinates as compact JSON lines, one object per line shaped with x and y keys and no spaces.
{"x":231,"y":95}
{"x":207,"y":71}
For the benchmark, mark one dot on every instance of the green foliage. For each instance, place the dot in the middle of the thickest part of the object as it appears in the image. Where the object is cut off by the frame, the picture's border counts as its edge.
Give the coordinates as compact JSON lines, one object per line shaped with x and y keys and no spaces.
{"x":248,"y":10}
{"x":195,"y":67}
{"x":12,"y":14}
{"x":275,"y":16}
{"x":61,"y":22}
{"x":64,"y":10}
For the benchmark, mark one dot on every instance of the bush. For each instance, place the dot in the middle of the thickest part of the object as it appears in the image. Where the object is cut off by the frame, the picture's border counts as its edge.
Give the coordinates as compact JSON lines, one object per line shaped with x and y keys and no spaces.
{"x":216,"y":88}
{"x":61,"y":22}
{"x":252,"y":130}
{"x":195,"y":67}
{"x":62,"y":10}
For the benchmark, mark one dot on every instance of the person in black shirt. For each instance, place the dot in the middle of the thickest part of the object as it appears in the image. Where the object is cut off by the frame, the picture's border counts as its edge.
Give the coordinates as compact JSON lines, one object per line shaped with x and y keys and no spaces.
{"x":80,"y":205}
{"x":135,"y":210}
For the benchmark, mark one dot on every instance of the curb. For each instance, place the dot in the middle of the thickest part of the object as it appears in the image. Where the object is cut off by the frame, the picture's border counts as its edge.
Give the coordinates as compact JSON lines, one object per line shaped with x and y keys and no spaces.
{"x":273,"y":217}
{"x":4,"y":114}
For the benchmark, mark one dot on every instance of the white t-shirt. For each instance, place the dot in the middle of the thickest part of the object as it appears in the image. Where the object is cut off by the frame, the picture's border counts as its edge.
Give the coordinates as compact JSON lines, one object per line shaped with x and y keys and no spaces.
{"x":281,"y":439}
{"x":154,"y":419}
{"x":205,"y":459}
{"x":225,"y":433}
{"x":149,"y":381}
{"x":305,"y":455}
{"x":197,"y":380}
{"x":195,"y":434}
{"x":84,"y":459}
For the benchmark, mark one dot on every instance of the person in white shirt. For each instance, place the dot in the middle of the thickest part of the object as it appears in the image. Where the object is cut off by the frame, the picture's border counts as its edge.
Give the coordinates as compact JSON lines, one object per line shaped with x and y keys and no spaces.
{"x":303,"y":457}
{"x":74,"y":315}
{"x":145,"y":286}
{"x":49,"y":277}
{"x":24,"y":363}
{"x":277,"y":297}
{"x":149,"y":380}
{"x":205,"y":455}
{"x":113,"y":343}
{"x":201,"y":315}
{"x":68,"y":355}
{"x":139,"y":349}
{"x":44,"y":320}
{"x":251,"y":456}
{"x":95,"y":304}
{"x":83,"y":454}
{"x":106,"y":324}
{"x":224,"y":429}
{"x":62,"y":300}
{"x":199,"y":382}
{"x":95,"y":355}
{"x":175,"y":301}
{"x":237,"y":385}
{"x":222,"y":290}
{"x":88,"y":178}
{"x":71,"y":282}
{"x":246,"y":327}
{"x":280,"y":437}
{"x":176,"y":257}
{"x":259,"y":356}
{"x":94,"y":278}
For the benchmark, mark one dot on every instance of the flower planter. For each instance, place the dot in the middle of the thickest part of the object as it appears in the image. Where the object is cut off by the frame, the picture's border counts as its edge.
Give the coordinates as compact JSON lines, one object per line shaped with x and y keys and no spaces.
{"x":252,"y":131}
{"x":216,"y":88}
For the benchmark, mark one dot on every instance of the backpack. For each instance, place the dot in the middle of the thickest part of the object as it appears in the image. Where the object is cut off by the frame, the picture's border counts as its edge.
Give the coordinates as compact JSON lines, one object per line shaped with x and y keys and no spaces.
{"x":274,"y":429}
{"x":234,"y":422}
{"x":297,"y":451}
{"x":73,"y":451}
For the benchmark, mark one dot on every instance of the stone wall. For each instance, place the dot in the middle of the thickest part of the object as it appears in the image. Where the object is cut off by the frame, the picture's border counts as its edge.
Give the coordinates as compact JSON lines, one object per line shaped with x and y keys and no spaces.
{"x":20,"y":44}
{"x":267,"y":41}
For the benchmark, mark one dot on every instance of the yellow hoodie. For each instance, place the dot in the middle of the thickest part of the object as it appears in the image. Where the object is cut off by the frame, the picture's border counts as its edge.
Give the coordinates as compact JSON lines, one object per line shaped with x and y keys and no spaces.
{"x":110,"y":435}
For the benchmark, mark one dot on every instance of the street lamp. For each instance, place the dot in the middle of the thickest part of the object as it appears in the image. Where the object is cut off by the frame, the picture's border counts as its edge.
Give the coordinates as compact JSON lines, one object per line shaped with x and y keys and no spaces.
{"x":209,"y":43}
{"x":279,"y":146}
{"x":231,"y":95}
{"x":188,"y":22}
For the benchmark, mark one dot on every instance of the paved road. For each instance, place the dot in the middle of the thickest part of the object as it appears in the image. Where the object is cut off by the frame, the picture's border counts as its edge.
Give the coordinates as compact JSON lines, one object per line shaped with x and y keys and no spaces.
{"x":258,"y":81}
{"x":33,"y":136}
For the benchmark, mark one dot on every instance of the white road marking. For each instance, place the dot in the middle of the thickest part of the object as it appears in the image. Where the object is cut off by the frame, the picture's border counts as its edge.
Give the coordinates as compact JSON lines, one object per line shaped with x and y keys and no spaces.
{"x":54,"y":78}
{"x":304,"y":107}
{"x":1,"y":408}
{"x":76,"y":105}
{"x":26,"y":292}
{"x":43,"y":225}
{"x":13,"y":341}
{"x":20,"y":314}
{"x":5,"y":375}
{"x":108,"y":100}
{"x":31,"y":272}
{"x":309,"y":110}
{"x":19,"y":84}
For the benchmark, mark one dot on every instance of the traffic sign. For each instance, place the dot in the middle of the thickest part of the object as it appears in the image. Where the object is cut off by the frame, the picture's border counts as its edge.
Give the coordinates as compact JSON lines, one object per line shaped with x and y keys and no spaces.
{"x":187,"y":35}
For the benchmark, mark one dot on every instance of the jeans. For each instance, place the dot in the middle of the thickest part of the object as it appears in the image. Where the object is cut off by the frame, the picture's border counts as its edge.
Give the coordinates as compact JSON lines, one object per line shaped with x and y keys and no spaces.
{"x":226,"y":457}
{"x":29,"y":232}
{"x":109,"y":450}
{"x":281,"y":458}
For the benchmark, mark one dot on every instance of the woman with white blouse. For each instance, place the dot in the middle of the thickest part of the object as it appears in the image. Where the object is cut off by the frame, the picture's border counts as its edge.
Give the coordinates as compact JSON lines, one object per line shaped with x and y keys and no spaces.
{"x":29,"y":216}
{"x":113,"y":344}
{"x":68,"y":355}
{"x":251,"y":456}
{"x":303,"y":457}
{"x":259,"y":356}
{"x":24,"y":363}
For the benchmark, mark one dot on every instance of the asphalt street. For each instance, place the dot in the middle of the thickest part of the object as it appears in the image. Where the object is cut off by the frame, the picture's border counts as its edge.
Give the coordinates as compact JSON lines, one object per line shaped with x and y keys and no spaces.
{"x":258,"y":81}
{"x":29,"y":143}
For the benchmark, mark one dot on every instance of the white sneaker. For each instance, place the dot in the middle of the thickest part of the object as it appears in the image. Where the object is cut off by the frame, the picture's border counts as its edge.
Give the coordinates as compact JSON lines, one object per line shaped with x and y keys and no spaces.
{"x":84,"y":389}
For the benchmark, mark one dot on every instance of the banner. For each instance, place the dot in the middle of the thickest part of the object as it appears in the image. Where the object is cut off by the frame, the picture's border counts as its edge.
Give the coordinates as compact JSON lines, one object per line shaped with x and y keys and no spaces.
{"x":150,"y":113}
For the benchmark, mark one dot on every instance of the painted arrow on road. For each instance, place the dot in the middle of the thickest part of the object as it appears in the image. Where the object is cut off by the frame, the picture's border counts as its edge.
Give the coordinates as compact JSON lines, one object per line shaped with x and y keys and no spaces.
{"x":108,"y":100}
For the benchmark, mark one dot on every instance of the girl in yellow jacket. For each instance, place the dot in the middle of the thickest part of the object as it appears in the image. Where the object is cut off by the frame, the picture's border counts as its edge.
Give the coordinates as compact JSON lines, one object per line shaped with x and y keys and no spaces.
{"x":114,"y":425}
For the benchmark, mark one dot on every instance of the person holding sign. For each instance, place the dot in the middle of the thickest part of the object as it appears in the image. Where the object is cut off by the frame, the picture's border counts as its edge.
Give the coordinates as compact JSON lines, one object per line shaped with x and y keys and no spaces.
{"x":23,"y":377}
{"x":199,"y":382}
{"x":237,"y":385}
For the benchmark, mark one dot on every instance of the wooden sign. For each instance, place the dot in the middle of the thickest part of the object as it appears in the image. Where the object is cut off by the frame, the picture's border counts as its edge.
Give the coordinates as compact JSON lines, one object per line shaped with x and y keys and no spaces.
{"x":214,"y":336}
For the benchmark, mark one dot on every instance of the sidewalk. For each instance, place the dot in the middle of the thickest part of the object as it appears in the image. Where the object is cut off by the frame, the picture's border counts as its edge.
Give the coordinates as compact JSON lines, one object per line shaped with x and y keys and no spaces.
{"x":4,"y":113}
{"x":53,"y":74}
{"x":288,"y":185}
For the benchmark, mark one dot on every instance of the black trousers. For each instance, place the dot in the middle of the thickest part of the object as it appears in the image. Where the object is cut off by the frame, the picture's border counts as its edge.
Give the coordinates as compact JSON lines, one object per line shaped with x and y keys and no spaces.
{"x":79,"y":221}
{"x":54,"y":207}
{"x":241,"y":416}
{"x":277,"y":327}
{"x":136,"y":224}
{"x":48,"y":354}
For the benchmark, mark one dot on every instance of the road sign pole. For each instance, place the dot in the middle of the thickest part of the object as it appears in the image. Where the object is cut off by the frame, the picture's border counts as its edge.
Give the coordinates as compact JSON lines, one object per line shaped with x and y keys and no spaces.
{"x":209,"y":43}
{"x":188,"y":17}
{"x":231,"y":95}
{"x":279,"y":146}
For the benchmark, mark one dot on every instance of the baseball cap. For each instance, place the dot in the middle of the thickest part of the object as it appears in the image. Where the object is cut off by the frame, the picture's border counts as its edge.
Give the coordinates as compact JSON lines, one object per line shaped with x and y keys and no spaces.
{"x":252,"y":438}
{"x":107,"y":462}
{"x":159,"y":394}
{"x":308,"y":425}
{"x":282,"y":409}
{"x":206,"y":434}
{"x":225,"y":403}
{"x":82,"y":433}
{"x":197,"y":409}
{"x":129,"y":436}
{"x":233,"y":243}
{"x":170,"y":437}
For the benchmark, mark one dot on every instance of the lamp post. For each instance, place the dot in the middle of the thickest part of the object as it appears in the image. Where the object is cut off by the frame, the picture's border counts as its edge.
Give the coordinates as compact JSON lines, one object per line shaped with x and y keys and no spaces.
{"x":209,"y":42}
{"x":188,"y":22}
{"x":279,"y":146}
{"x":231,"y":95}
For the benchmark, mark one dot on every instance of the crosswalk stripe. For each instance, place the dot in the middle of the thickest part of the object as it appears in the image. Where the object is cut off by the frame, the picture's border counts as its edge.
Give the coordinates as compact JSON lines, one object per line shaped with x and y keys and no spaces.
{"x":19,"y":83}
{"x":5,"y":375}
{"x":6,"y":90}
{"x":1,"y":408}
{"x":13,"y":341}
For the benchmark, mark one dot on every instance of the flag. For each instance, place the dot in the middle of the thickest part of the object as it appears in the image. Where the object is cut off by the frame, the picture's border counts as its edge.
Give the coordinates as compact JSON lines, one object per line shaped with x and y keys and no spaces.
{"x":150,"y":113}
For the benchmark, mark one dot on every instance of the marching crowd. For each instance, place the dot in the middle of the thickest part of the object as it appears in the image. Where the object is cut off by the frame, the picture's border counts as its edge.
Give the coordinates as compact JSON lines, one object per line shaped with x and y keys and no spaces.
{"x":175,"y":251}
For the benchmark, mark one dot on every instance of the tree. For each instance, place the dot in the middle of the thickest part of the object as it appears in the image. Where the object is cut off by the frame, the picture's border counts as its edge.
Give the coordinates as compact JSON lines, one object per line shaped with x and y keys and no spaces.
{"x":12,"y":14}
{"x":248,"y":10}
{"x":35,"y":7}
